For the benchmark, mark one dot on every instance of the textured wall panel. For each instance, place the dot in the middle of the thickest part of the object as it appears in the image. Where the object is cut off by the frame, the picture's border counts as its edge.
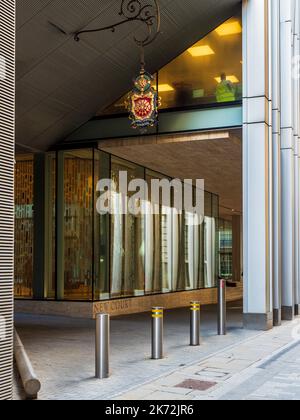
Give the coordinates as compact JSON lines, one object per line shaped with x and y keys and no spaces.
{"x":7,"y":111}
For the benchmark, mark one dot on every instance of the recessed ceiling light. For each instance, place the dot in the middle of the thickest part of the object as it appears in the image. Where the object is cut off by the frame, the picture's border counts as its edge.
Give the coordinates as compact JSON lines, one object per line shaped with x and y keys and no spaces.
{"x":165,"y":87}
{"x":201,"y":51}
{"x":232,"y":79}
{"x":229,"y":28}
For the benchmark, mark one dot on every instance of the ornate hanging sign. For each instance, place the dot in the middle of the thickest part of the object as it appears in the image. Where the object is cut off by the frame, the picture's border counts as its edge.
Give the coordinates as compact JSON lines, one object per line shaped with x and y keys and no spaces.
{"x":143,"y":101}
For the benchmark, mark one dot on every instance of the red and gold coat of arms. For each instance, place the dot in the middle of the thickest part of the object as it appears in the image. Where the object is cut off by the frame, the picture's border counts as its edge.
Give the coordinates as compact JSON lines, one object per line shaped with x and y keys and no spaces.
{"x":143,"y":102}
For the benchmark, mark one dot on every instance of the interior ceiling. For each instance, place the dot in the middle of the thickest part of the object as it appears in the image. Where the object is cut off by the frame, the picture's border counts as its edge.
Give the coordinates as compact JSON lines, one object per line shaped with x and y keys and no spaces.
{"x":218,"y":161}
{"x":60,"y":84}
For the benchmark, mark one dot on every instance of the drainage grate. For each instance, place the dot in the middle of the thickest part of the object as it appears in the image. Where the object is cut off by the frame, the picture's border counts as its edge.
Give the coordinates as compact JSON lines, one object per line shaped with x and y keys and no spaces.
{"x":196,"y":385}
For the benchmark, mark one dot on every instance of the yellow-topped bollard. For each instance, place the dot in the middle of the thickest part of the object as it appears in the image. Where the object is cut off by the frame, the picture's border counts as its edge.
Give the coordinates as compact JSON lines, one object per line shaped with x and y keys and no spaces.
{"x":157,"y":333}
{"x":195,"y":323}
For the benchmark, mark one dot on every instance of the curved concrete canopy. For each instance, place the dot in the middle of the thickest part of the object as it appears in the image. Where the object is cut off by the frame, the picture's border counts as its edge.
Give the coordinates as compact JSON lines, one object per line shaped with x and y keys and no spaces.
{"x":61,"y":84}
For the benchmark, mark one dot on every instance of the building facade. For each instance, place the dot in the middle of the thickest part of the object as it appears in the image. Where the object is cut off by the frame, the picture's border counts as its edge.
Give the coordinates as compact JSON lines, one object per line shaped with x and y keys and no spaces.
{"x":271,"y":161}
{"x":70,"y":255}
{"x":97,"y":259}
{"x":230,"y":114}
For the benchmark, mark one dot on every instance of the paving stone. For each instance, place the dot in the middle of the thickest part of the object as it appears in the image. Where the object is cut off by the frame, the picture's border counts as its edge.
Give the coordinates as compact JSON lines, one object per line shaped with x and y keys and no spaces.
{"x":244,"y":365}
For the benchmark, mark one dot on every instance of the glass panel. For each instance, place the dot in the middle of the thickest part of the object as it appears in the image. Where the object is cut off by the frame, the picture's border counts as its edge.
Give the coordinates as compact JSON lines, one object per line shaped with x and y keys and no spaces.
{"x":127,"y":242}
{"x":215,"y":233}
{"x":24,"y":223}
{"x":102,"y":231}
{"x":225,"y":244}
{"x":159,"y":242}
{"x":50,"y":227}
{"x":210,"y":241}
{"x":78,"y":224}
{"x":191,"y":250}
{"x":208,"y":72}
{"x":179,"y":254}
{"x":128,"y":254}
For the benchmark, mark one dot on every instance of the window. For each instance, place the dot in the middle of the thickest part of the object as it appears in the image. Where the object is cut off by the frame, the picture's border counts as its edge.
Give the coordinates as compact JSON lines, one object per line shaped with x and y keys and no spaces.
{"x":78,"y":224}
{"x":127,"y":241}
{"x":24,"y":225}
{"x":225,"y":240}
{"x":207,"y":73}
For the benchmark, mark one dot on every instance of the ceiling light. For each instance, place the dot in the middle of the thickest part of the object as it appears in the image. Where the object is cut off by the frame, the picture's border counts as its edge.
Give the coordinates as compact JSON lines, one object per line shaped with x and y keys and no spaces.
{"x":230,"y":28}
{"x":201,"y":51}
{"x":232,"y":79}
{"x":165,"y":88}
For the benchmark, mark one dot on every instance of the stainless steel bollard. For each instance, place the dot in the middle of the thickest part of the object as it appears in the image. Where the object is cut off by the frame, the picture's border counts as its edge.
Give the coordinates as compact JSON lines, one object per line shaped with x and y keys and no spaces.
{"x":195,"y":324}
{"x":222,"y":307}
{"x":157,"y":333}
{"x":102,"y":345}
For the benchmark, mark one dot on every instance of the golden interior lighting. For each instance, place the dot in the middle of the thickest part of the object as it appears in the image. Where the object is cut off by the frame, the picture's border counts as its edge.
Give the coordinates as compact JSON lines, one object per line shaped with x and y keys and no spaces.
{"x":229,"y":28}
{"x":201,"y":51}
{"x":165,"y":88}
{"x":232,"y":79}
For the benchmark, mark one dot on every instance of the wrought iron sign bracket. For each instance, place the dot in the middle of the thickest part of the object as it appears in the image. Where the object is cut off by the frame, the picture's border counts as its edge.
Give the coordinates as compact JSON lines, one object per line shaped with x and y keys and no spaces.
{"x":134,"y":11}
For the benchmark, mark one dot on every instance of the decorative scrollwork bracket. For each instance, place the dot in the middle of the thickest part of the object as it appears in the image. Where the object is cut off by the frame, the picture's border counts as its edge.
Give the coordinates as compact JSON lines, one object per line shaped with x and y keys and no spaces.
{"x":147,"y":13}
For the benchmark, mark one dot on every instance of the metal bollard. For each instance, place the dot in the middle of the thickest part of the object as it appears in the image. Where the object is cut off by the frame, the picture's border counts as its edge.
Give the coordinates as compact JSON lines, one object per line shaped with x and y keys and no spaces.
{"x":157,"y":333}
{"x":222,"y":307}
{"x":102,"y":345}
{"x":195,"y":324}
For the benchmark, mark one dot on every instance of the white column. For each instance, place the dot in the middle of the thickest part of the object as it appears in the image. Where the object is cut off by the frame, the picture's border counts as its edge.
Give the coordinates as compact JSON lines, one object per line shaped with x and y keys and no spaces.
{"x":276,"y":102}
{"x":257,"y":166}
{"x":287,"y":161}
{"x":296,"y":79}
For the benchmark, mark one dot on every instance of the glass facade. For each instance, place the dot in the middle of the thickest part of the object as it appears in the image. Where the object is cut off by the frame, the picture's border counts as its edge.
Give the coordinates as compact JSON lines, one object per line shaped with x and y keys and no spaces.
{"x":208,"y":73}
{"x":127,"y":242}
{"x":78,"y":224}
{"x":95,"y":256}
{"x":225,"y":244}
{"x":24,"y":225}
{"x":50,"y":226}
{"x":89,"y":256}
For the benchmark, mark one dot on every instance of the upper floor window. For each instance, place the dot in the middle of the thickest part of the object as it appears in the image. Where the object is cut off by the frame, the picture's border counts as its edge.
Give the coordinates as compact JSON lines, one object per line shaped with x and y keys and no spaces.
{"x":209,"y":72}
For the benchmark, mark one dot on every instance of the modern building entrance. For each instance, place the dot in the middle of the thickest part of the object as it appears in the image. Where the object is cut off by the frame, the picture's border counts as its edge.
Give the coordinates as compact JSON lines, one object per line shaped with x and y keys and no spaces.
{"x":227,"y":73}
{"x":72,"y":260}
{"x":222,"y":81}
{"x":124,"y":263}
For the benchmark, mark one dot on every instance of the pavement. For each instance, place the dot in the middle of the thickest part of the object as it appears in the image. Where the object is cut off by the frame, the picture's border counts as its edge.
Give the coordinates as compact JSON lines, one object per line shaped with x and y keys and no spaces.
{"x":265,"y":367}
{"x":239,"y":364}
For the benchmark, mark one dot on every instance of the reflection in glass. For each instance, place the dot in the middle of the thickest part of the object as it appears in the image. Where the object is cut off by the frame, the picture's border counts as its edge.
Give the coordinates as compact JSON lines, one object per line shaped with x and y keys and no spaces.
{"x":50,"y":228}
{"x":127,"y":242}
{"x":225,"y":242}
{"x":210,"y":240}
{"x":24,"y":223}
{"x":208,"y":72}
{"x":101,"y":232}
{"x":78,"y":224}
{"x":158,"y":240}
